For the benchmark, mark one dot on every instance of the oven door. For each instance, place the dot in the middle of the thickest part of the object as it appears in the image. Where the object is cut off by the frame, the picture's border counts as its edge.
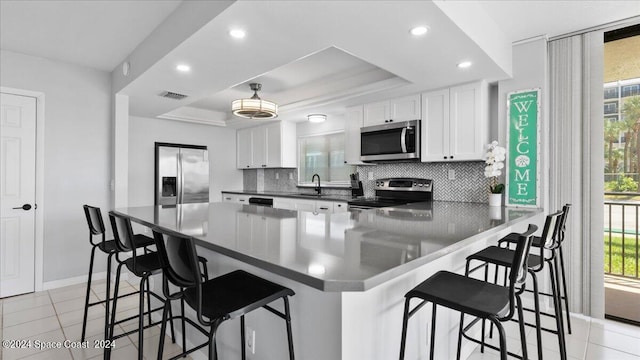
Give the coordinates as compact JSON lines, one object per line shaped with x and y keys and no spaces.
{"x":393,"y":141}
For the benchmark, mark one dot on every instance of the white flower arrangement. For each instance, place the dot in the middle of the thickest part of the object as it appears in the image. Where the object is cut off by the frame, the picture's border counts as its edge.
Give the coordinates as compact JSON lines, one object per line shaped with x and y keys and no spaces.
{"x":495,"y":158}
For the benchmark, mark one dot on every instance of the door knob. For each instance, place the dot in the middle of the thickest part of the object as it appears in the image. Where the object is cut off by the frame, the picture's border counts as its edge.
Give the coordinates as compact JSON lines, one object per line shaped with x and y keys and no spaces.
{"x":24,"y":207}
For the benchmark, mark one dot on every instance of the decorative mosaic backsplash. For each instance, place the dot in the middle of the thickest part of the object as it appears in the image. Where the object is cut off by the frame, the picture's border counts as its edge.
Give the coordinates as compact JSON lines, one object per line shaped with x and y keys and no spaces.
{"x":469,"y":185}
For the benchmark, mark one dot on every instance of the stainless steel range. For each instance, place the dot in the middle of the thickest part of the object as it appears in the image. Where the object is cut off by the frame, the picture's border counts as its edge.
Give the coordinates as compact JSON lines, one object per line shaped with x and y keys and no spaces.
{"x":396,"y":191}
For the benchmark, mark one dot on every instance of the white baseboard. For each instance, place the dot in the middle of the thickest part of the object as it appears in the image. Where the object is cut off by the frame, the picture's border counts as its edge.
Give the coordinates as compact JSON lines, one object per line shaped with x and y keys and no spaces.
{"x":80,"y":280}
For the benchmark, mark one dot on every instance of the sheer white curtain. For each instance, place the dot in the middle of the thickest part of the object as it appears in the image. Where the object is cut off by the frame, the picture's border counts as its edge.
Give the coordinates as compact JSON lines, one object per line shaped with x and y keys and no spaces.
{"x":577,"y":160}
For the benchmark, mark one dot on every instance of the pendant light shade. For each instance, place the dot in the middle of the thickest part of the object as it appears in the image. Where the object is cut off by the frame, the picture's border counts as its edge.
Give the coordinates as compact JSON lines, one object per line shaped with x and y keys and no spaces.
{"x":254,"y":107}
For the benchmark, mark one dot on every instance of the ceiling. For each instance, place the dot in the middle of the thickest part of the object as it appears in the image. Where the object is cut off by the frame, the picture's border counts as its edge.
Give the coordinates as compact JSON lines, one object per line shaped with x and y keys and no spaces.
{"x":310,"y":56}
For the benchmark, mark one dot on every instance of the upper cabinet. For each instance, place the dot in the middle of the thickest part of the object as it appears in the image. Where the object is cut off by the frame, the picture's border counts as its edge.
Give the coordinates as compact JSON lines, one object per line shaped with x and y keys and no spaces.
{"x":400,"y":109}
{"x":267,"y":146}
{"x":353,"y":122}
{"x":455,"y":123}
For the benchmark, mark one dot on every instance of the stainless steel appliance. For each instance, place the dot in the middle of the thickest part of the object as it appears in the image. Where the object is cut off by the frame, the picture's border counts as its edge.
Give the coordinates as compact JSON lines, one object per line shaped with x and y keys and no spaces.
{"x":391,"y":141}
{"x":181,"y":174}
{"x":396,"y":191}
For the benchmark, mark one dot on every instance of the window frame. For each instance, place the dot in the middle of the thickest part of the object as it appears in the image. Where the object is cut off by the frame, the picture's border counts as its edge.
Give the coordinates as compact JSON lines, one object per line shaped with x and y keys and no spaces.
{"x":324,"y":183}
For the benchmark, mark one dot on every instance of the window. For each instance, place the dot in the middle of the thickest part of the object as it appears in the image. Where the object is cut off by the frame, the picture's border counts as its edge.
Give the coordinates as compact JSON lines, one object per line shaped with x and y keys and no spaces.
{"x":630,"y":90}
{"x":611,"y":108}
{"x":611,"y":93}
{"x":323,"y":155}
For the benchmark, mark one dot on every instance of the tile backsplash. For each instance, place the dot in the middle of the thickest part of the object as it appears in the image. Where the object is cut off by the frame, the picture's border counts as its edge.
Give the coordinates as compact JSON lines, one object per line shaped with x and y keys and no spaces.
{"x":469,"y":184}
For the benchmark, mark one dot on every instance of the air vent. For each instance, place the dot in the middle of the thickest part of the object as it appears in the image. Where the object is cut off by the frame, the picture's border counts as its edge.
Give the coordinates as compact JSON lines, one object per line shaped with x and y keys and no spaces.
{"x":172,"y":95}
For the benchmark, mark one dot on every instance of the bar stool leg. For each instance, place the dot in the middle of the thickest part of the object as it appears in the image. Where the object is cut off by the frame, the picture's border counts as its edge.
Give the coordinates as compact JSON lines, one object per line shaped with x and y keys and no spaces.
{"x":503,"y":339}
{"x":106,"y":297}
{"x":107,"y":351}
{"x":86,"y":300}
{"x":405,"y":319}
{"x":163,"y":329}
{"x":433,"y":331}
{"x":558,"y":311}
{"x":536,"y":307}
{"x":141,"y":320}
{"x":460,"y":330}
{"x":242,"y":338}
{"x":564,"y":289}
{"x":287,"y":313}
{"x":523,"y":338}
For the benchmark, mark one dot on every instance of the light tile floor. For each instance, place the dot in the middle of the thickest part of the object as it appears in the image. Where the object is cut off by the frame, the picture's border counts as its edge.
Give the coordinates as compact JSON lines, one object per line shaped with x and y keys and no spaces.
{"x":56,"y":315}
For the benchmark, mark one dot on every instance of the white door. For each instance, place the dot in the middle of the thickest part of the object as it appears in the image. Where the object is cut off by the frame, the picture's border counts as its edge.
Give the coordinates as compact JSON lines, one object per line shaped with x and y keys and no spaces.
{"x":17,"y":194}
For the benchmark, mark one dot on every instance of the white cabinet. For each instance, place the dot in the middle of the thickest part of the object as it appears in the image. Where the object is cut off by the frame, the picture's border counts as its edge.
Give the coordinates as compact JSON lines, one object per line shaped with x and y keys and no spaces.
{"x":319,"y":206}
{"x":267,"y":146}
{"x":400,"y":109}
{"x":455,"y":123}
{"x":235,"y":198}
{"x":353,"y":123}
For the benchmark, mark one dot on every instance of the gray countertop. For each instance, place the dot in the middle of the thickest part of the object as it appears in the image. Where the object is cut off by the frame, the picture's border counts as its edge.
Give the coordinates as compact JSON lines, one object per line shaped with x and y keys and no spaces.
{"x":299,"y":195}
{"x":352,"y":251}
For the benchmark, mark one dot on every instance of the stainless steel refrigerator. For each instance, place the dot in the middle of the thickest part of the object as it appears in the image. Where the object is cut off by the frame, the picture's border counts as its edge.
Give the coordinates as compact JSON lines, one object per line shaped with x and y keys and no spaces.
{"x":181,"y":173}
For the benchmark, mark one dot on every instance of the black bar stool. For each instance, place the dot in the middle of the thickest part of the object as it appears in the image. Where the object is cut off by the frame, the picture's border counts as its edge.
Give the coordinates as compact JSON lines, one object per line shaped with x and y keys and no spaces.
{"x":561,"y":278}
{"x":500,"y":256}
{"x":142,"y":266}
{"x":474,"y":297}
{"x":216,"y":300}
{"x":96,"y":228}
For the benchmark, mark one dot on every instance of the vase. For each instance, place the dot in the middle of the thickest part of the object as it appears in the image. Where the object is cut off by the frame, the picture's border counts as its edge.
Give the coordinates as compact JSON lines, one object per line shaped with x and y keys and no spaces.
{"x":495,"y":199}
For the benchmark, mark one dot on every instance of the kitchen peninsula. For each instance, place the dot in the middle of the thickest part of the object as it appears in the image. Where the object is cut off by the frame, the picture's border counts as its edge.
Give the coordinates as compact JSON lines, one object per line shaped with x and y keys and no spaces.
{"x":350,"y":270}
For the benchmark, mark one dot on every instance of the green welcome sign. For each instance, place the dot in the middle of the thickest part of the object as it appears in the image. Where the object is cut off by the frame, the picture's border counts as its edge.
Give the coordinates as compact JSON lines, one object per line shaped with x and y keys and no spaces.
{"x":523,"y":148}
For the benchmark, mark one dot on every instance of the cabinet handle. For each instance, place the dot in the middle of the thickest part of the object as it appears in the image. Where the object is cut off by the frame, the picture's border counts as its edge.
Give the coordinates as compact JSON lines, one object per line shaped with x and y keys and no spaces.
{"x":339,"y":205}
{"x":451,"y":157}
{"x":227,"y":198}
{"x":386,"y":121}
{"x":264,"y":165}
{"x":248,"y":165}
{"x":445,"y":157}
{"x":241,"y":200}
{"x":390,"y":120}
{"x":345,"y":161}
{"x":324,"y":208}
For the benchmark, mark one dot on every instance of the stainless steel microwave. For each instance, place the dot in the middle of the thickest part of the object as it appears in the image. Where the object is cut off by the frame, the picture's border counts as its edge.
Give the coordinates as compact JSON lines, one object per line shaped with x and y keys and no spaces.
{"x":390,"y":141}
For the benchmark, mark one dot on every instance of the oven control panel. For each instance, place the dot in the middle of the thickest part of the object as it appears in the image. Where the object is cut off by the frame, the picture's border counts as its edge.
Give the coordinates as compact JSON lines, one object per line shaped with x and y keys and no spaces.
{"x":404,"y":184}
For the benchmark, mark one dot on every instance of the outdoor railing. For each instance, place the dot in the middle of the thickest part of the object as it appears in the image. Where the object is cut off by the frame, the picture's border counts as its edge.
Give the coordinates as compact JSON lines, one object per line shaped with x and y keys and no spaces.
{"x":622,"y":235}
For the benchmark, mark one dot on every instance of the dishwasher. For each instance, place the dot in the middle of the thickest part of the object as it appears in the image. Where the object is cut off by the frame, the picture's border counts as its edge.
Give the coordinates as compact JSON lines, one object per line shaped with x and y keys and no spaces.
{"x":258,"y":201}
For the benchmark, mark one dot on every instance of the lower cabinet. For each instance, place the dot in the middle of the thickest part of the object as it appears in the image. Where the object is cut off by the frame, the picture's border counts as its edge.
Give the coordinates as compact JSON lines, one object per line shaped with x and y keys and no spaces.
{"x":319,"y":206}
{"x":235,"y":198}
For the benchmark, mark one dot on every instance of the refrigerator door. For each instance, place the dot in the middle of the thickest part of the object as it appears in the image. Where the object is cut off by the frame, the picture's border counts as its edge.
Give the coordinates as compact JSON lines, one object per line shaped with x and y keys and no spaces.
{"x":167,"y":179}
{"x":194,"y":178}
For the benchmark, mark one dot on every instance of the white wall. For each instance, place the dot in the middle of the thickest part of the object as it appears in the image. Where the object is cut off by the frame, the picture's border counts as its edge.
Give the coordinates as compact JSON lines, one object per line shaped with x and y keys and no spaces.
{"x":77,"y":152}
{"x":144,"y":132}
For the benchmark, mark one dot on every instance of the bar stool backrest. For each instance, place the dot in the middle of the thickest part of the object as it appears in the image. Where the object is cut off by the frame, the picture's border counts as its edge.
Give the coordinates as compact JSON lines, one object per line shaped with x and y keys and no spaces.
{"x":549,"y":238}
{"x":123,"y":234}
{"x":95,"y":222}
{"x":178,"y":258}
{"x":563,"y":223}
{"x":518,"y":274}
{"x":179,"y":261}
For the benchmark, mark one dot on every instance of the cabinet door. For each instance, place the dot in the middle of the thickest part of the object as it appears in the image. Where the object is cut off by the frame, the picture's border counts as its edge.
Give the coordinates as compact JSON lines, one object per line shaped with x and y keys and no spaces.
{"x":244,"y":148}
{"x":468,"y":121}
{"x":273,"y":145}
{"x":405,"y":108}
{"x":339,"y":207}
{"x":258,"y":152}
{"x":376,"y":113}
{"x":325,"y":207}
{"x":435,"y":126}
{"x":305,"y":205}
{"x":353,"y":123}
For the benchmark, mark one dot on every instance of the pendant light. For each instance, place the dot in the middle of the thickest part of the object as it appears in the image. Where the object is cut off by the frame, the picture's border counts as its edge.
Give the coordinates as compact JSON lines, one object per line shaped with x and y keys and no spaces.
{"x":254,"y":107}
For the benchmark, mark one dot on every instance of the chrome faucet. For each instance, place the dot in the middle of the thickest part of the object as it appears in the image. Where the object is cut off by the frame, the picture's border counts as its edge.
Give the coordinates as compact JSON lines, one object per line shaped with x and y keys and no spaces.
{"x":318,"y":190}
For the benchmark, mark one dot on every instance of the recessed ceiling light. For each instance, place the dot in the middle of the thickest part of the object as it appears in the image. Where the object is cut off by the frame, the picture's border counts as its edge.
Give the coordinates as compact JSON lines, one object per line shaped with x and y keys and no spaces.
{"x":237,"y":33}
{"x":464,"y":64}
{"x":183,"y":68}
{"x":419,"y":30}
